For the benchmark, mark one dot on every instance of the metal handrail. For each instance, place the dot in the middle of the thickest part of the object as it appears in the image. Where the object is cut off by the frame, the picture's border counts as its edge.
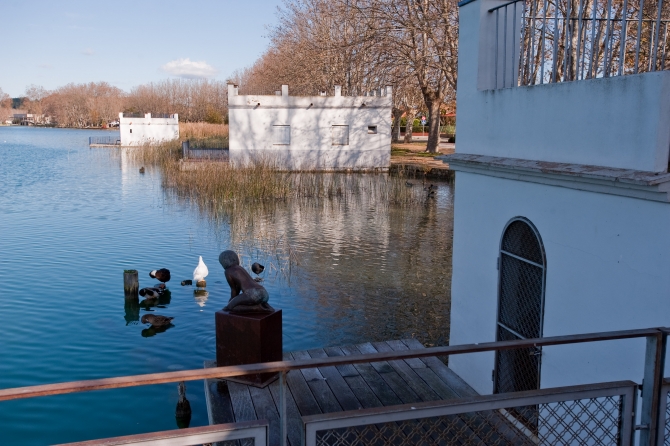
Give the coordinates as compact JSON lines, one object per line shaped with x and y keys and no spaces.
{"x":285,"y":366}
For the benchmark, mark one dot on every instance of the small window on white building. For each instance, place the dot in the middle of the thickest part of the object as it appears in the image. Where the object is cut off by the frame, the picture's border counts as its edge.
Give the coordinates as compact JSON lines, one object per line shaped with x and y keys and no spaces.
{"x":281,"y":135}
{"x":131,"y":130}
{"x":372,"y":129}
{"x":340,"y":135}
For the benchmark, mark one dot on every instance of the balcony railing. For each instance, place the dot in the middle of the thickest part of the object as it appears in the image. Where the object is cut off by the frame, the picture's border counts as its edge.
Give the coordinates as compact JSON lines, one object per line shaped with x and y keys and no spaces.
{"x":599,"y":413}
{"x":549,"y":41}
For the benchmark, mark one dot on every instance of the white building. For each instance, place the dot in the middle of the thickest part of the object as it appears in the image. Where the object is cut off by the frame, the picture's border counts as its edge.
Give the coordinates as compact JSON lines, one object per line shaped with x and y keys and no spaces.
{"x":137,"y":129}
{"x":561,"y":209}
{"x":311,"y":132}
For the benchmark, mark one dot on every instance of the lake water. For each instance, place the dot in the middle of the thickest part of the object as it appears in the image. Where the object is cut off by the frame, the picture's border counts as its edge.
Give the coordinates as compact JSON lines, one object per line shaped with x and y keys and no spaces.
{"x":73,"y":218}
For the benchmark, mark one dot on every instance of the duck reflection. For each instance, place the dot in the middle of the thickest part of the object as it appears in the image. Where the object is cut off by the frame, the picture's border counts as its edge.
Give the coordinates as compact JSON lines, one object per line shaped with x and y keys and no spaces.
{"x":132,"y":308}
{"x":159,"y":301}
{"x":153,"y":331}
{"x":200,"y":297}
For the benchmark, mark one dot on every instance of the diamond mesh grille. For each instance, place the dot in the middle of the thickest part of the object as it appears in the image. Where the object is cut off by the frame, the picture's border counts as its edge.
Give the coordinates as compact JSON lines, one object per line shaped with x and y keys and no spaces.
{"x":666,"y":432}
{"x":593,"y":421}
{"x":520,"y":305}
{"x":520,"y":240}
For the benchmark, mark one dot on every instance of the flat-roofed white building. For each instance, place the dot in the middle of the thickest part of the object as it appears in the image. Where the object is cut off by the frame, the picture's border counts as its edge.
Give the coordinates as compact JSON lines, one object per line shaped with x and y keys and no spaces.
{"x":137,"y":129}
{"x":311,"y":132}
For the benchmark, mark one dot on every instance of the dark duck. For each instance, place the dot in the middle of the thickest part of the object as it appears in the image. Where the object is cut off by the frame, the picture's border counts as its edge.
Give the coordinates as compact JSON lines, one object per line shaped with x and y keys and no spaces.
{"x":156,"y":320}
{"x":257,"y":268}
{"x":162,"y":274}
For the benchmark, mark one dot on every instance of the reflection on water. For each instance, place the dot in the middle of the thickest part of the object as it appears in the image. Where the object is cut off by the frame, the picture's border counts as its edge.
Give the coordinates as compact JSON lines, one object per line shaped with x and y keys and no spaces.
{"x":153,"y":331}
{"x":200,"y":297}
{"x":345,"y":269}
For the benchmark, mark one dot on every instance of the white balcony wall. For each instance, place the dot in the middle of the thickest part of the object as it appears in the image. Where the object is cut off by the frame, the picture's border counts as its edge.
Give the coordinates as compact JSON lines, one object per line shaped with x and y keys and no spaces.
{"x":620,"y":121}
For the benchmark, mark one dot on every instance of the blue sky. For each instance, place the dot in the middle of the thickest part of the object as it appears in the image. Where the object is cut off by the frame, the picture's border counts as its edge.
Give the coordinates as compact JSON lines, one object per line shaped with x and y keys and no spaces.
{"x":127,"y":43}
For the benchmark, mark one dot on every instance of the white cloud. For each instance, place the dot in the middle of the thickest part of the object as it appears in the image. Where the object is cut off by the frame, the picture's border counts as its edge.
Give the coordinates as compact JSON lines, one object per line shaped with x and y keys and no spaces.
{"x":87,"y":52}
{"x":189,"y":69}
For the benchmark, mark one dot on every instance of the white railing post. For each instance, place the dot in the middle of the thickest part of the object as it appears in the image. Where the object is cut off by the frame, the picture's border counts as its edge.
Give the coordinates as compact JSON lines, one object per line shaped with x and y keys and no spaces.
{"x":651,"y":388}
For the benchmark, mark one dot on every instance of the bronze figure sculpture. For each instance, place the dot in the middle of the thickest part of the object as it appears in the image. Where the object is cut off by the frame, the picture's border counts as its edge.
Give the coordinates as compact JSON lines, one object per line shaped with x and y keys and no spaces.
{"x":246,"y":295}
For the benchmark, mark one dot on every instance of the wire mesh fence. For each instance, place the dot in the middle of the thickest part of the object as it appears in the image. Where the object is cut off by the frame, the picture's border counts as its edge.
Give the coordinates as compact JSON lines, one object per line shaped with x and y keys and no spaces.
{"x":578,"y":416}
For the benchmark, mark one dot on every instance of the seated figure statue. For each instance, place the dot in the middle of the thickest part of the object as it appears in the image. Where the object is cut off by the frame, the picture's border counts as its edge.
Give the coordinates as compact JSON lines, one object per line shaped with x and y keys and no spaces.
{"x":246,"y":295}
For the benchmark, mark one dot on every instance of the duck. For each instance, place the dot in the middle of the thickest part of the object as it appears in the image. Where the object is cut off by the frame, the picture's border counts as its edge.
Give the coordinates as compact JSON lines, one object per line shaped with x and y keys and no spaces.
{"x":156,"y":320}
{"x":430,"y":188}
{"x":142,"y":169}
{"x":162,"y":274}
{"x":408,"y":184}
{"x":257,"y":268}
{"x":200,"y":271}
{"x":183,"y":411}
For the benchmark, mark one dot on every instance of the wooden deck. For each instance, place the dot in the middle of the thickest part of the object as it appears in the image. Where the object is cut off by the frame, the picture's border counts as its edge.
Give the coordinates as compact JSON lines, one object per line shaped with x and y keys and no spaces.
{"x":335,"y":389}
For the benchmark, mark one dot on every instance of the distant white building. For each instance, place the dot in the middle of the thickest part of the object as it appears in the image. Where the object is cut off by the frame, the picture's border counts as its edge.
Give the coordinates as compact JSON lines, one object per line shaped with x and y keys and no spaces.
{"x":561,"y":211}
{"x":31,"y":119}
{"x":137,"y":129}
{"x":311,"y":132}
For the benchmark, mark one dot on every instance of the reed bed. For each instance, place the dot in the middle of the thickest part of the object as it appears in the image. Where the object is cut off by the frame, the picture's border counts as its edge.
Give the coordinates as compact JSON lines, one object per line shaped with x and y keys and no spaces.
{"x":242,"y":197}
{"x":202,"y":130}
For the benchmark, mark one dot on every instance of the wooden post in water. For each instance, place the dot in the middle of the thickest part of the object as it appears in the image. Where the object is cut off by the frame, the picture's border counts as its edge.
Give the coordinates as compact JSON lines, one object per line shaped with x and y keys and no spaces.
{"x":131,"y":283}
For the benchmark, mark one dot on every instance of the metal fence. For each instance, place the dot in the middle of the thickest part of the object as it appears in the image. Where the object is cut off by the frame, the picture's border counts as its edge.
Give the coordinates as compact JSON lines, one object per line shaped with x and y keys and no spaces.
{"x":597,"y":414}
{"x":202,"y":151}
{"x":105,"y":140}
{"x":567,"y":415}
{"x":548,"y":41}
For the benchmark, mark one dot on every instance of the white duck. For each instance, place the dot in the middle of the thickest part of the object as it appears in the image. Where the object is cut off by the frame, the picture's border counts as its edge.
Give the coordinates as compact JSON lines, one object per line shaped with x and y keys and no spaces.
{"x":200,"y":271}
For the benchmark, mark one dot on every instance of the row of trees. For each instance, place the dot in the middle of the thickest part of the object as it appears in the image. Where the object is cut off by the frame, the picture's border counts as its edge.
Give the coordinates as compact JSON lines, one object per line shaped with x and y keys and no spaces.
{"x":365,"y":45}
{"x":98,"y":103}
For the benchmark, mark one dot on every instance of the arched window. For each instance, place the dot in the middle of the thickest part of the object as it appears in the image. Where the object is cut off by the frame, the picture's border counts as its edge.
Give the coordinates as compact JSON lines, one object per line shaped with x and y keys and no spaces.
{"x":521,"y":283}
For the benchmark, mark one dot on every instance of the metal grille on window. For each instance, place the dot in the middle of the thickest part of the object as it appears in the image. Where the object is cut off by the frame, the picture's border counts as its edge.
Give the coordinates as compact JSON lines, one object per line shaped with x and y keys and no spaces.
{"x":281,"y":135}
{"x":520,"y":311}
{"x":340,"y":135}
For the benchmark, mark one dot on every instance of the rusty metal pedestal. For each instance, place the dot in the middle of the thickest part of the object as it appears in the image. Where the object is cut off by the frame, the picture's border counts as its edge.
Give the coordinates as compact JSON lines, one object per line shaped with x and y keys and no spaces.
{"x":249,"y":339}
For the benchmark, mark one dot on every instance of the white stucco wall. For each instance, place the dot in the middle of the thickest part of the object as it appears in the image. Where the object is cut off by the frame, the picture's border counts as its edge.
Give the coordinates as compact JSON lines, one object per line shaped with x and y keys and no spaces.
{"x":608,"y":259}
{"x":311,"y":120}
{"x":620,"y":121}
{"x":148,"y":130}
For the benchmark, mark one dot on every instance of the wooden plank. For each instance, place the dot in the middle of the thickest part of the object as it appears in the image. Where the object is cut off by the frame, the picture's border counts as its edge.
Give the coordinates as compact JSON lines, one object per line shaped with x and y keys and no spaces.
{"x":337,"y":384}
{"x":408,"y":374}
{"x":345,"y":370}
{"x":398,"y":346}
{"x":243,"y":406}
{"x":317,"y":384}
{"x":301,"y":392}
{"x":356,"y":383}
{"x":265,"y":408}
{"x":426,"y":374}
{"x":408,"y":388}
{"x":373,"y":379}
{"x":293,"y":421}
{"x":455,"y":382}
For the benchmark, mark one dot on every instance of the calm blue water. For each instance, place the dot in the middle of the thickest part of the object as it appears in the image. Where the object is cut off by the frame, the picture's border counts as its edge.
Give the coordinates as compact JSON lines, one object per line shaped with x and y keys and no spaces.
{"x":73,"y":218}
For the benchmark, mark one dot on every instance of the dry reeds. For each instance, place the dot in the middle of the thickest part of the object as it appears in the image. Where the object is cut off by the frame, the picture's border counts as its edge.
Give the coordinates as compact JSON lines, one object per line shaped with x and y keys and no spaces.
{"x":202,"y":130}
